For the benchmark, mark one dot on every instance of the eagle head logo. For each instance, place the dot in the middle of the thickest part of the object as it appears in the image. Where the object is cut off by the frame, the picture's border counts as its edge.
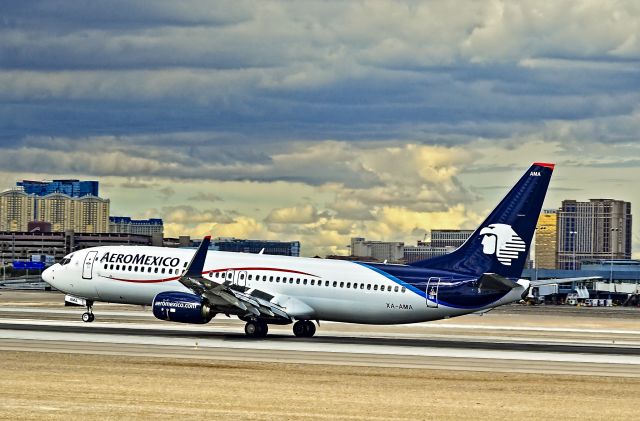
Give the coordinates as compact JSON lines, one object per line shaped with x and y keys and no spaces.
{"x":503,"y":241}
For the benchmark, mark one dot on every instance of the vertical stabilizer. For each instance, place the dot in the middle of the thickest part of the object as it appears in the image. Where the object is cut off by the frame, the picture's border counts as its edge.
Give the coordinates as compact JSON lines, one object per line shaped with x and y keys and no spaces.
{"x":501,"y":243}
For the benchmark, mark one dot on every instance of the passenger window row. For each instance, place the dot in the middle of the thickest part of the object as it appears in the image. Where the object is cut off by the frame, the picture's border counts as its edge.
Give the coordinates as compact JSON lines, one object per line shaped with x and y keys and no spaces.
{"x":312,"y":282}
{"x":142,"y":269}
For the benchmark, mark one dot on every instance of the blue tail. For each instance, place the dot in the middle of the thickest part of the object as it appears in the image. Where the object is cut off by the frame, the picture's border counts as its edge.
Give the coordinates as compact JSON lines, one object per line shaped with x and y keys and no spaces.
{"x":501,"y":244}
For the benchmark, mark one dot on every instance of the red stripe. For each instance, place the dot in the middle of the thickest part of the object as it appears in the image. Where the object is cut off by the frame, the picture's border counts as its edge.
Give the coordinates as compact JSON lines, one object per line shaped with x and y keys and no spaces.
{"x":545,"y":164}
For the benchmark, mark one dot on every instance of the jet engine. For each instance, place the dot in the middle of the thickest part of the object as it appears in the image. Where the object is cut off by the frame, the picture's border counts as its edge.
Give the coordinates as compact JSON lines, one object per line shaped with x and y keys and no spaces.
{"x":181,"y":307}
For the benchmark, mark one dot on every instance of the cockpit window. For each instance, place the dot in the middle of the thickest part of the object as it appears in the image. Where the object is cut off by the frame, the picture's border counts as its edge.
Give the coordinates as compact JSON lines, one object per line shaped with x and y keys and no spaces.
{"x":66,"y":259}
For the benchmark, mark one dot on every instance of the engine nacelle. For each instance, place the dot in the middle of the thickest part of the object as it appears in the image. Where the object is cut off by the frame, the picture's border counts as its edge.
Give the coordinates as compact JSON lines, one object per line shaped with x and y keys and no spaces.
{"x":181,"y":307}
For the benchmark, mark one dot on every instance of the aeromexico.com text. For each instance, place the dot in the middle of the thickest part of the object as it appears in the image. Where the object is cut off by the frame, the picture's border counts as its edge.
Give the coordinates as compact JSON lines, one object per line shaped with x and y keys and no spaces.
{"x":139,"y":259}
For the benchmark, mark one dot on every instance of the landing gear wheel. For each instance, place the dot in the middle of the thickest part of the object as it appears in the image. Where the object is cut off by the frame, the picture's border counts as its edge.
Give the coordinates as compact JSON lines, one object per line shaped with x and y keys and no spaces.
{"x":310,"y":329}
{"x":304,"y":329}
{"x":256,"y":329}
{"x":299,"y":328}
{"x":87,"y":317}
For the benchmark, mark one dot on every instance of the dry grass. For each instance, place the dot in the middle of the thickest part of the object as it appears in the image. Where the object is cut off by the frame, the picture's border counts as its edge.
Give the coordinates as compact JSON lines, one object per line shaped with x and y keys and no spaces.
{"x":73,"y":386}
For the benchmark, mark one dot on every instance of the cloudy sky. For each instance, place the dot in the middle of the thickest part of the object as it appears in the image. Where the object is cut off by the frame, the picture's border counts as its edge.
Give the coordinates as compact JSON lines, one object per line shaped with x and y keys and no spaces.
{"x":318,"y":121}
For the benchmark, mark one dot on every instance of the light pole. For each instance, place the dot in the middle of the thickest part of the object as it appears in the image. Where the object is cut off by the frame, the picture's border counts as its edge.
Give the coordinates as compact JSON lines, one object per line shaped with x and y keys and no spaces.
{"x":611,"y":246}
{"x":573,"y":243}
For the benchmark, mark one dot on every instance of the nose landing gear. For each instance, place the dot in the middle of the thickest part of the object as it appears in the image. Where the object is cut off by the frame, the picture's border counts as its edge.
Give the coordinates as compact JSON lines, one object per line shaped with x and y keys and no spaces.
{"x":88,"y":316}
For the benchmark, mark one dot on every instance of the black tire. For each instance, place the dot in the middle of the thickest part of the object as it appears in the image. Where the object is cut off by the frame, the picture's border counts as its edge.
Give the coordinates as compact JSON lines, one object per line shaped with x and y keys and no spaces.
{"x":299,"y":328}
{"x":93,"y":317}
{"x":309,"y":329}
{"x":264,"y":329}
{"x":87,"y":317}
{"x":252,"y":329}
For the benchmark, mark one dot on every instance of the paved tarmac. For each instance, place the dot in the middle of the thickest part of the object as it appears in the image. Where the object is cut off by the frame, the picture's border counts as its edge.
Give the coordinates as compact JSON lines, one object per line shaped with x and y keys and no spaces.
{"x":504,"y":342}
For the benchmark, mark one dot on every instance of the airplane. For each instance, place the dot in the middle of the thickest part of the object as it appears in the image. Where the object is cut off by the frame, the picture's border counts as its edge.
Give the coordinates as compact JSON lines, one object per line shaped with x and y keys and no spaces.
{"x":187,"y":286}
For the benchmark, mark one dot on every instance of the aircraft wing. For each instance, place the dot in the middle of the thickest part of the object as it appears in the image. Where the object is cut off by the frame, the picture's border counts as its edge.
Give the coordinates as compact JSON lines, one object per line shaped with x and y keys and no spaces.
{"x":226,"y":298}
{"x":563,"y":280}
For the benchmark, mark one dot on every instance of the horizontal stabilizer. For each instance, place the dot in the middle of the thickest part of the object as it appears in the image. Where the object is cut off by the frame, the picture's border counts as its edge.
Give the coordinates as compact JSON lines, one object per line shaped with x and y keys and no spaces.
{"x":495,"y":282}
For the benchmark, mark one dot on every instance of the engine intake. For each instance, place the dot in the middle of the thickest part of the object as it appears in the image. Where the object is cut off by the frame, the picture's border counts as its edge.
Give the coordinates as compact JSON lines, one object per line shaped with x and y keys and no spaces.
{"x":181,"y":307}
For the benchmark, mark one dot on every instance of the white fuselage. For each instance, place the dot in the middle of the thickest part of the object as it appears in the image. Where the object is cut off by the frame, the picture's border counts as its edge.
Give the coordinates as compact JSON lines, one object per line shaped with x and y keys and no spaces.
{"x":313,"y":289}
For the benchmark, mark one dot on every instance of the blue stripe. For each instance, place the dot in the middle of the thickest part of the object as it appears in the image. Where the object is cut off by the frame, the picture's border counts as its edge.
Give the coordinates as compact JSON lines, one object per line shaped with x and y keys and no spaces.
{"x":418,"y":291}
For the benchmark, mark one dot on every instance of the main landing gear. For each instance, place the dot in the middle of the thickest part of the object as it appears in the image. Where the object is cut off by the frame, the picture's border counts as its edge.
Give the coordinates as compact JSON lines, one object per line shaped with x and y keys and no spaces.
{"x":256,"y":329}
{"x":88,"y":316}
{"x":304,"y":329}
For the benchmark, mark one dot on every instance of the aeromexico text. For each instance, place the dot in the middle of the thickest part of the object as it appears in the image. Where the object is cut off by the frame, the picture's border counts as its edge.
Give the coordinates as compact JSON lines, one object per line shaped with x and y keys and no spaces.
{"x":140,"y":259}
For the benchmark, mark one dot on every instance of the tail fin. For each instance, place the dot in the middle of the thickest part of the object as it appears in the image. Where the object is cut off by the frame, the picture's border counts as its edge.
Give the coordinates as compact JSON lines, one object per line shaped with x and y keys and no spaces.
{"x":501,"y":244}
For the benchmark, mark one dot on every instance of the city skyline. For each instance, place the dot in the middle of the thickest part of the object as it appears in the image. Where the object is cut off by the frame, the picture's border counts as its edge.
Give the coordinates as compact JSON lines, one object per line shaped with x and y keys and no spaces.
{"x":319,"y":122}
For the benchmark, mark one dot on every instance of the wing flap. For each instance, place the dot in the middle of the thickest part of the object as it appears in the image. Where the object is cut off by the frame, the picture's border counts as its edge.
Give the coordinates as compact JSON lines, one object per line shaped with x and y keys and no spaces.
{"x":228,"y":299}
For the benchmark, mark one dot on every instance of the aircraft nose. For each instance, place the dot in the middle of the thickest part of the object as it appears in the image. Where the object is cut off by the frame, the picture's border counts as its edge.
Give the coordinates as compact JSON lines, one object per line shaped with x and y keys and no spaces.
{"x":48,"y":274}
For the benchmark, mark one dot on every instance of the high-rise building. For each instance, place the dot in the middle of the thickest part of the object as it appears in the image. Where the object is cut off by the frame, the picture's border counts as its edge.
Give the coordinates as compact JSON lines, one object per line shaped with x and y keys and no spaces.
{"x":449,"y":238}
{"x":598,"y":229}
{"x":87,"y":214}
{"x":443,"y":241}
{"x":546,"y":243}
{"x":124,"y":224}
{"x":280,"y":248}
{"x":379,"y":250}
{"x":72,"y":188}
{"x":424,"y":251}
{"x":17,"y":209}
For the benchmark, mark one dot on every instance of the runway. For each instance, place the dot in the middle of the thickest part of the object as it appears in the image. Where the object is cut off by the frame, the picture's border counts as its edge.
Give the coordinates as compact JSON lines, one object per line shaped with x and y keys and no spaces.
{"x":444,"y":346}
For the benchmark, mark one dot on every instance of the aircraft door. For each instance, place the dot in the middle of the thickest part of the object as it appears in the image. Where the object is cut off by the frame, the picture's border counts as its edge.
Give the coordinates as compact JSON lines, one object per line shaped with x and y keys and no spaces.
{"x":229,"y":277}
{"x":87,"y":268}
{"x":431,"y":292}
{"x":241,"y":278}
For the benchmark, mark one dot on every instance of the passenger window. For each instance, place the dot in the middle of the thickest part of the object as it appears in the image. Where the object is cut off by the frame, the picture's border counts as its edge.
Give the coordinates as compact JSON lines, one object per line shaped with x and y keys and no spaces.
{"x":361,"y":286}
{"x":242,"y":276}
{"x":162,"y":270}
{"x":403,"y":289}
{"x":270,"y":278}
{"x":149,"y":269}
{"x":395,"y":289}
{"x":341,"y":284}
{"x":155,"y":270}
{"x":111,"y":267}
{"x":277,"y":279}
{"x":130,"y":269}
{"x":355,"y":286}
{"x":375,"y":287}
{"x":313,"y":282}
{"x":105,"y":266}
{"x":298,"y":281}
{"x":291,"y":280}
{"x":348,"y":284}
{"x":335,"y":284}
{"x":135,"y":268}
{"x":304,"y":282}
{"x":326,"y":283}
{"x":250,"y":277}
{"x":117,"y":267}
{"x":368,"y":287}
{"x":185,"y":264}
{"x":389,"y":288}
